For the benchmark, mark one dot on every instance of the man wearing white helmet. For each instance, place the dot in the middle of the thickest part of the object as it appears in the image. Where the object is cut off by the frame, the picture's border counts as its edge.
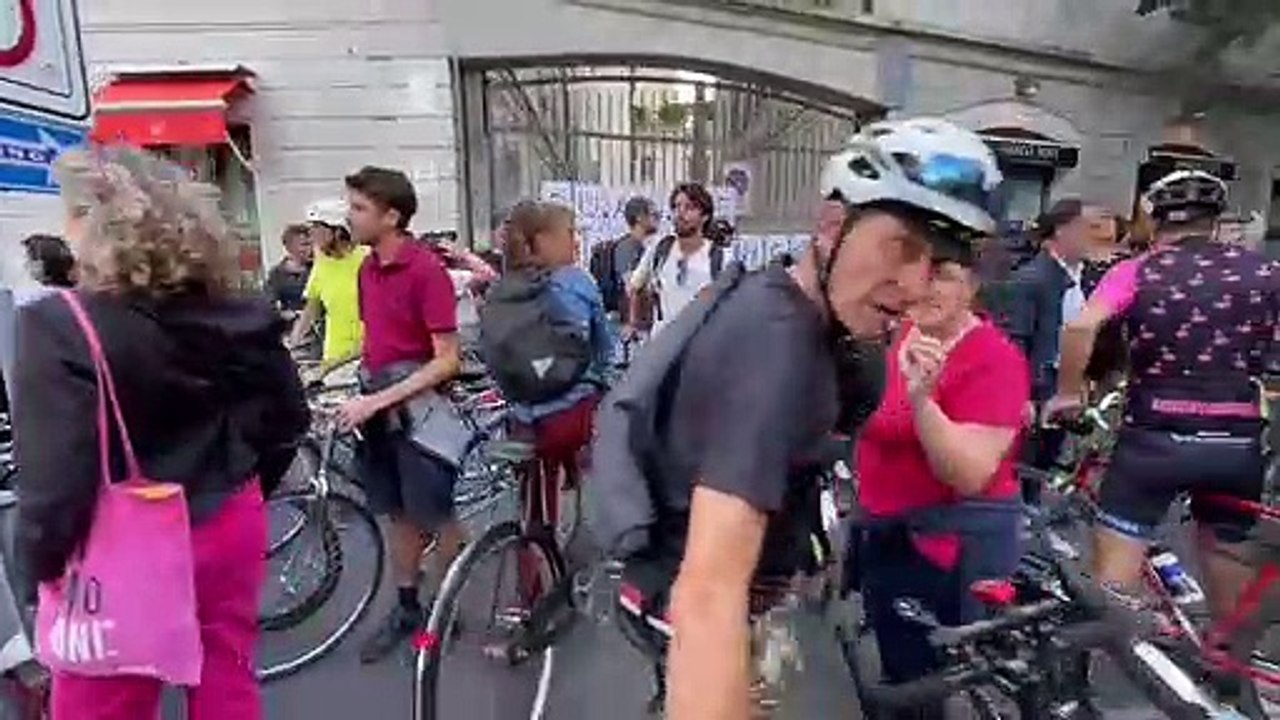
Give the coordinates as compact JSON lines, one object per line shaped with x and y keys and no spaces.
{"x":763,"y":383}
{"x":1201,"y":319}
{"x":332,"y":291}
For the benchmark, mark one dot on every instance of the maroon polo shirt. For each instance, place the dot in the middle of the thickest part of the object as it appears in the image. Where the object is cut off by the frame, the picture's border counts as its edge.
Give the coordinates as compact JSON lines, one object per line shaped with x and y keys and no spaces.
{"x":404,"y":303}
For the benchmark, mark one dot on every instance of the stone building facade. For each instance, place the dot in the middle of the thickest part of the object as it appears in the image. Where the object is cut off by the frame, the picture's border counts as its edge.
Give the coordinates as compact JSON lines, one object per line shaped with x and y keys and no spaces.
{"x":1075,"y":93}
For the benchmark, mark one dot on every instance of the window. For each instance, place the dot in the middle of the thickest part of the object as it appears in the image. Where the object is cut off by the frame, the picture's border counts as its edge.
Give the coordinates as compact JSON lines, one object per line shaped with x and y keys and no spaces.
{"x":1025,"y":193}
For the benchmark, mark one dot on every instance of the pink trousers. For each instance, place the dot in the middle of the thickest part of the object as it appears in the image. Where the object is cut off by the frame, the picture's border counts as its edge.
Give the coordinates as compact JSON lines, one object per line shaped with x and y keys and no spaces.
{"x":230,"y":563}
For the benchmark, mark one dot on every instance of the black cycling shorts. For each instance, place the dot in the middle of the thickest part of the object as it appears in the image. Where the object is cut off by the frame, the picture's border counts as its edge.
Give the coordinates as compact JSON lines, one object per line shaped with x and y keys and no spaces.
{"x":1151,"y":468}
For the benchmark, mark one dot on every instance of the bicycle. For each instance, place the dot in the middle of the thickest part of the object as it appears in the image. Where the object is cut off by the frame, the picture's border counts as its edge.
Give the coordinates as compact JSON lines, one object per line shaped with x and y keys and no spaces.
{"x":1211,"y":649}
{"x":316,"y":511}
{"x":1043,"y":618}
{"x":520,"y":630}
{"x":310,"y":522}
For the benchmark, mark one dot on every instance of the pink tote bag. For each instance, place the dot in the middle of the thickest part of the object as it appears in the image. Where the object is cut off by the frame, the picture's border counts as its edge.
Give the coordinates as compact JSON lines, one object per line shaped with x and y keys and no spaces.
{"x":126,"y":603}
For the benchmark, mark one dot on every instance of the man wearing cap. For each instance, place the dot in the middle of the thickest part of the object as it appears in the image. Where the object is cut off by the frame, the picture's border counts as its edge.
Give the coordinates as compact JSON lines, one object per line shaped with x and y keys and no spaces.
{"x":332,"y":290}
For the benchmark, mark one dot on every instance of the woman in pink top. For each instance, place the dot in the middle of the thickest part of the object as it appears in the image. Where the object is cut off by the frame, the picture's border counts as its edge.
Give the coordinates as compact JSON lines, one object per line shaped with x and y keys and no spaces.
{"x":936,"y":468}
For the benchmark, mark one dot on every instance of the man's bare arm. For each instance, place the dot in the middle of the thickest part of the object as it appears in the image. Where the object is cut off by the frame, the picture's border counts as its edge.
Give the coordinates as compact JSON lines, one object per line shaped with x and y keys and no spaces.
{"x":303,"y":325}
{"x":443,"y":366}
{"x":708,"y":672}
{"x":1077,"y":342}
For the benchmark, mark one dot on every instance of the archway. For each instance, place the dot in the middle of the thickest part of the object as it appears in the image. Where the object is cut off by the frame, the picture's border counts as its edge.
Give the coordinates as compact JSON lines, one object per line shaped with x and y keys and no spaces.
{"x":606,"y":127}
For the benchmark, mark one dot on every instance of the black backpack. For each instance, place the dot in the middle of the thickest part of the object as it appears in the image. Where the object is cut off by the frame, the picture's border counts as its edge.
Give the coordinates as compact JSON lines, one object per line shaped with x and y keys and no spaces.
{"x":603,"y":267}
{"x":624,"y":502}
{"x":533,"y":355}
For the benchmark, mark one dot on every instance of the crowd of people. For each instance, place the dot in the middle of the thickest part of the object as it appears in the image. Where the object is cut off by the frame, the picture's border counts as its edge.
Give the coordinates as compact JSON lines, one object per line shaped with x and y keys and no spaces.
{"x":142,"y":310}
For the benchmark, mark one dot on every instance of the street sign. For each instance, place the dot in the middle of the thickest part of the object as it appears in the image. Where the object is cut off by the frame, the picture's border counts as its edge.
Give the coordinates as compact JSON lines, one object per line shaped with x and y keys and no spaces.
{"x":41,"y":62}
{"x":28,"y":147}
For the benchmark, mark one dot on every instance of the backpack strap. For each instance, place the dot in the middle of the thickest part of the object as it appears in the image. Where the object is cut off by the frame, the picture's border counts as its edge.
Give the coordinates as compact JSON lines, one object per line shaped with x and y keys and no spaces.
{"x":601,"y":262}
{"x":717,"y":259}
{"x":661,"y":254}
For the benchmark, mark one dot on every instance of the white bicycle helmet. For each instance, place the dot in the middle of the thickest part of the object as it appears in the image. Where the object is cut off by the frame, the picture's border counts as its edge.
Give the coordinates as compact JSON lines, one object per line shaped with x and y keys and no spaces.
{"x":331,"y":213}
{"x":1184,"y":195}
{"x":926,"y":163}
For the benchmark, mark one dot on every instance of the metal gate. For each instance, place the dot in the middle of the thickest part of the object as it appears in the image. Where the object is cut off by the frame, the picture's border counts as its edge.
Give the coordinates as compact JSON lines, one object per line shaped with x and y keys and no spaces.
{"x":630,"y":126}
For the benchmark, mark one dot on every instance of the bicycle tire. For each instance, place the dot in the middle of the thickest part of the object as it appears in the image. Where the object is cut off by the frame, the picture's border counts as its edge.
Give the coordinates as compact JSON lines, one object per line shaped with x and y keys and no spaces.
{"x":333,"y":505}
{"x":430,"y":647}
{"x":313,"y":513}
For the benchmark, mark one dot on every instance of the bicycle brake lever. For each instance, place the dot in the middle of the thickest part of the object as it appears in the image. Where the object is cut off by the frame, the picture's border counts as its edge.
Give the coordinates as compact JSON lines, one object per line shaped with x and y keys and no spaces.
{"x":913,"y":611}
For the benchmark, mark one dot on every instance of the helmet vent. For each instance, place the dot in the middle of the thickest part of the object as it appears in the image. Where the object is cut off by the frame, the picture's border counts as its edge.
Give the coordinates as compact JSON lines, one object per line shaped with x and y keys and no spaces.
{"x":862,"y":167}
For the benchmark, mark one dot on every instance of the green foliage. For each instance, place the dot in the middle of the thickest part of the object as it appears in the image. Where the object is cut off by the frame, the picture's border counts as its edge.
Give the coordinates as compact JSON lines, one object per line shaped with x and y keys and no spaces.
{"x":1225,"y":22}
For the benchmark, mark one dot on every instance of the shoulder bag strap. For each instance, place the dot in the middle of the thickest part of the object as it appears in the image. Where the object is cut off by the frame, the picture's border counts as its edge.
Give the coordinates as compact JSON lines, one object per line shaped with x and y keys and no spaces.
{"x":106,"y":395}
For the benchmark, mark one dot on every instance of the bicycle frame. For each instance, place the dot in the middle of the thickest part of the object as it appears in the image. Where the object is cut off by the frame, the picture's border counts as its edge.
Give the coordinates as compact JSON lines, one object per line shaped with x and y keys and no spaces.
{"x":1220,"y":633}
{"x":1212,"y":640}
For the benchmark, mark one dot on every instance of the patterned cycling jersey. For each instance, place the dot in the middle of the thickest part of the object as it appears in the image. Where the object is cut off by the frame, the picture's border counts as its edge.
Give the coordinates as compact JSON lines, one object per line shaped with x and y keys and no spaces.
{"x":1201,"y":321}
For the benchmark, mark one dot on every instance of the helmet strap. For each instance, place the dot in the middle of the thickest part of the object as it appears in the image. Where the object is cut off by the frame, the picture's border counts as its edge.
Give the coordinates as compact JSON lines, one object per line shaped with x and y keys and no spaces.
{"x":826,"y":266}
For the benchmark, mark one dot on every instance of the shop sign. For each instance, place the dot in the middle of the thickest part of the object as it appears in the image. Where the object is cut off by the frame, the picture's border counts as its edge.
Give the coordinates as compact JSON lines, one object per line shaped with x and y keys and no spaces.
{"x":1033,"y":152}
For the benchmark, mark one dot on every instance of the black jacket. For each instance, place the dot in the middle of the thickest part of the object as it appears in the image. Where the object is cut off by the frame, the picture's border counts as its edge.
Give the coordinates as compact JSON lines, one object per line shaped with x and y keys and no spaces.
{"x":209,"y":394}
{"x":1034,"y":317}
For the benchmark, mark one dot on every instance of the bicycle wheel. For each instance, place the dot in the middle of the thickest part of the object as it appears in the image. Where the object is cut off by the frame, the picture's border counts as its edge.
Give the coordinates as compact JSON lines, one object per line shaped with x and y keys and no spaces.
{"x":477,"y":658}
{"x":329,"y":572}
{"x":303,"y":545}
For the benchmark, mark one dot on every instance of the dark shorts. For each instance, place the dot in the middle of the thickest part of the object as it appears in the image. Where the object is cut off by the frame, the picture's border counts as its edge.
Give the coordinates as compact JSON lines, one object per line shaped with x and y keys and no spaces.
{"x":1151,"y":468}
{"x":402,"y":481}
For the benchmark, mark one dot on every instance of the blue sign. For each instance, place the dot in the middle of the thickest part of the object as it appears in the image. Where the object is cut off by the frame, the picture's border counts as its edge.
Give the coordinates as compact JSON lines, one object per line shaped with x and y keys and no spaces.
{"x":28,"y":147}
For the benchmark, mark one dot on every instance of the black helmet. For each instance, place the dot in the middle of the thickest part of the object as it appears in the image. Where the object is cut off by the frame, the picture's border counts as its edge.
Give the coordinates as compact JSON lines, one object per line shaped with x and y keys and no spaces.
{"x":1185,"y":195}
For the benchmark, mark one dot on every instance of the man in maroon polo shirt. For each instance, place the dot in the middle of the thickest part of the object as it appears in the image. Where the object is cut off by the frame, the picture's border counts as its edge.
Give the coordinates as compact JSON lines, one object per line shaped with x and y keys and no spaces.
{"x":408,"y":307}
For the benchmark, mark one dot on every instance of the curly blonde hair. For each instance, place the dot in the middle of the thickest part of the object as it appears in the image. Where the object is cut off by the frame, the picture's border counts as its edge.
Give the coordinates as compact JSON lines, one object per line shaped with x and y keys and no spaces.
{"x":148,"y":229}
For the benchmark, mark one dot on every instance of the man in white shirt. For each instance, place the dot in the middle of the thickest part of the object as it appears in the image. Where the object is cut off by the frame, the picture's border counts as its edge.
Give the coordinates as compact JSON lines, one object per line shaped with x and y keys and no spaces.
{"x":674,"y":269}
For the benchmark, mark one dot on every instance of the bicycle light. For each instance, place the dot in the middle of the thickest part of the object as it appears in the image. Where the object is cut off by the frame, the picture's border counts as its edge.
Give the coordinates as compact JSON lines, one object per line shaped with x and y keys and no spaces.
{"x":994,"y":593}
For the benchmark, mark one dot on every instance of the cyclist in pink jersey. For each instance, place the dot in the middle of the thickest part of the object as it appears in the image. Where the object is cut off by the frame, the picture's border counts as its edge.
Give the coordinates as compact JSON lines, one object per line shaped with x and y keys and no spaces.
{"x":1201,"y":322}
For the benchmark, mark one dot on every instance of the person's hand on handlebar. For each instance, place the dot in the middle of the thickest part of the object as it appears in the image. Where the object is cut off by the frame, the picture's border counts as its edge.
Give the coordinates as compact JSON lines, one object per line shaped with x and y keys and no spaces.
{"x":1060,"y":408}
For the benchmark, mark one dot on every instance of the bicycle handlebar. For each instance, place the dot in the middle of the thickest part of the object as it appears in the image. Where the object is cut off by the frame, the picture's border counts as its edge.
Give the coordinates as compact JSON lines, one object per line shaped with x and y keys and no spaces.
{"x":1093,"y":417}
{"x":1112,"y":627}
{"x":1011,"y":619}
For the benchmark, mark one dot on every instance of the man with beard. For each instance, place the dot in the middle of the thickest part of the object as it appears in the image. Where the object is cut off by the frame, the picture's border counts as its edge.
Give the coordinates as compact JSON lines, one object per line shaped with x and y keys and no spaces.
{"x":674,"y":269}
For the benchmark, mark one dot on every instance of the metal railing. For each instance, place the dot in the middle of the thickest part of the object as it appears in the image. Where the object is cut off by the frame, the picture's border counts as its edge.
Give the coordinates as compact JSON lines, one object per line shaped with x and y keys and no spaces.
{"x":630,"y":126}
